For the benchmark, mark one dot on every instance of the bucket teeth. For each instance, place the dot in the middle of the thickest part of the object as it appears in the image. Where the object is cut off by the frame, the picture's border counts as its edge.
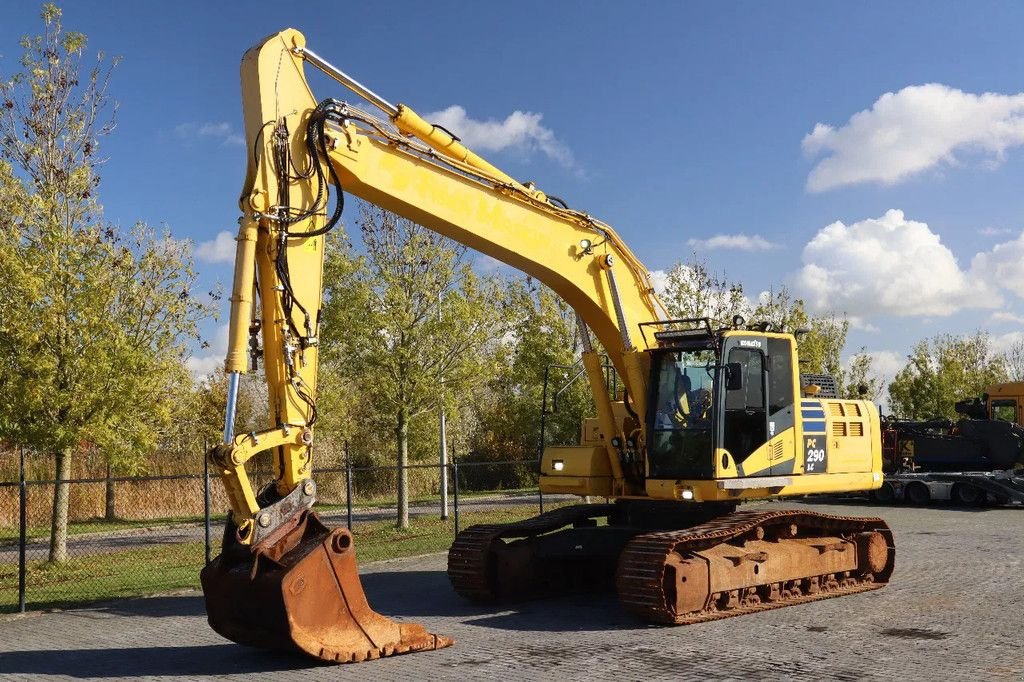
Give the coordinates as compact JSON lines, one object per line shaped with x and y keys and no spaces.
{"x":302,"y":593}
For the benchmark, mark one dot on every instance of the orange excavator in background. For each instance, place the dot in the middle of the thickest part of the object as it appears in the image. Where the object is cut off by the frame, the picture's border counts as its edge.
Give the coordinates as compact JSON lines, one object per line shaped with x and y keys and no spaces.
{"x":712,"y":414}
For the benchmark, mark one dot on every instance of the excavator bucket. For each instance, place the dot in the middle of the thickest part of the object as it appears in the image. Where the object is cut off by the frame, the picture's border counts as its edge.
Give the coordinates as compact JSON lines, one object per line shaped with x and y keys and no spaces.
{"x":299,"y":590}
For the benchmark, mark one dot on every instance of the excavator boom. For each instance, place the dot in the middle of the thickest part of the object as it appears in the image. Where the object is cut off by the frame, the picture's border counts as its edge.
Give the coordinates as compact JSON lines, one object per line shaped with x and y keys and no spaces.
{"x":710,"y":415}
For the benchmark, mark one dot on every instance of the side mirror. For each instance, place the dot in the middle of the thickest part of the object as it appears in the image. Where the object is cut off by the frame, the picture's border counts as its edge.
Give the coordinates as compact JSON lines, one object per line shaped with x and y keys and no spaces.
{"x":734,"y":376}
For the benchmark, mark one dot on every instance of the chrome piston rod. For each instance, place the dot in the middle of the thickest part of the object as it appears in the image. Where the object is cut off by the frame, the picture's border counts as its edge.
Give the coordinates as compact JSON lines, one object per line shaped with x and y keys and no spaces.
{"x":232,"y":406}
{"x":346,"y":80}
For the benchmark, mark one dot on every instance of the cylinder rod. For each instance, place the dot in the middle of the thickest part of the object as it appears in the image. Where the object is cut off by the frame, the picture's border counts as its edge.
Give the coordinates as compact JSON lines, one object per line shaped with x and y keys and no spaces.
{"x":346,"y":80}
{"x":627,"y":342}
{"x":229,"y":412}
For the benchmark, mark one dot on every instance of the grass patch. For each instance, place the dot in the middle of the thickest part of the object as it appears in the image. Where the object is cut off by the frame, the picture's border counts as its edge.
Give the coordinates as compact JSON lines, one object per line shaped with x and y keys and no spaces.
{"x":100,"y":577}
{"x":42,"y":532}
{"x":377,"y":503}
{"x":161,"y":568}
{"x":9,"y":535}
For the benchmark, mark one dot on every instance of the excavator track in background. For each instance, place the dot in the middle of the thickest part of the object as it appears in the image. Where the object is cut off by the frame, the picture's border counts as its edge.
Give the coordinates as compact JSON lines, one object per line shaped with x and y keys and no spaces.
{"x":752,"y":561}
{"x":733,"y":564}
{"x":474,"y":556}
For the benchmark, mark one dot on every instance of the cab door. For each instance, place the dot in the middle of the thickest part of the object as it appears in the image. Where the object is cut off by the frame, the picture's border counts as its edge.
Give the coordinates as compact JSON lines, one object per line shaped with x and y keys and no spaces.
{"x":745,"y":415}
{"x":758,"y":412}
{"x":781,"y":382}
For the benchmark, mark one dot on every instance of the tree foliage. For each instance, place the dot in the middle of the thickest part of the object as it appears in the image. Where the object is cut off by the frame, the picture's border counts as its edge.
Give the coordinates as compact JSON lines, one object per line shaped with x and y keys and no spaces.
{"x":859,"y":378}
{"x":692,"y":289}
{"x":410,"y":321}
{"x":942,"y":370}
{"x":1014,"y":356}
{"x":543,"y":335}
{"x":820,"y":339}
{"x":93,"y":321}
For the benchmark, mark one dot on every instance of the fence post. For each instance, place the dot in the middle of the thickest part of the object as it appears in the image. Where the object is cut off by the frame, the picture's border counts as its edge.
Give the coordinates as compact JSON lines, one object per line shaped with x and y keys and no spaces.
{"x":540,"y":493}
{"x":455,"y":490}
{"x":348,"y":485}
{"x":22,"y":530}
{"x":206,"y":503}
{"x":444,"y":473}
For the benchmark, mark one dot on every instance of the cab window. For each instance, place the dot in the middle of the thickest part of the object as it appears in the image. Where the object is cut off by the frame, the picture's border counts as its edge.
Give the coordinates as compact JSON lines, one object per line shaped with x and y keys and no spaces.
{"x":683,"y":398}
{"x":1005,"y":410}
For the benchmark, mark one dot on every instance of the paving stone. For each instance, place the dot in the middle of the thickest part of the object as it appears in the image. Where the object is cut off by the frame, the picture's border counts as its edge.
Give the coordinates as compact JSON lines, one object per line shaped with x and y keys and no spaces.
{"x":952,"y":611}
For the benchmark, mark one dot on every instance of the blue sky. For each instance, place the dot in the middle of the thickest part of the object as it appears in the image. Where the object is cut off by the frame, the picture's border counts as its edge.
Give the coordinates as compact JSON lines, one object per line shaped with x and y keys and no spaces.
{"x":760,"y":124}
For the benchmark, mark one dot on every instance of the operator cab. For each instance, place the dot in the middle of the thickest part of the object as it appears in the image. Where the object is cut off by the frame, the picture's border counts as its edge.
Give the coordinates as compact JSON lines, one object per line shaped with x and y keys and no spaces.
{"x":716,"y":397}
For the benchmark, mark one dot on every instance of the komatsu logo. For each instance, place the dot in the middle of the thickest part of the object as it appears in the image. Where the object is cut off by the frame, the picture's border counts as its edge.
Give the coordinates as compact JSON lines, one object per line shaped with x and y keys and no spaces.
{"x":750,"y":343}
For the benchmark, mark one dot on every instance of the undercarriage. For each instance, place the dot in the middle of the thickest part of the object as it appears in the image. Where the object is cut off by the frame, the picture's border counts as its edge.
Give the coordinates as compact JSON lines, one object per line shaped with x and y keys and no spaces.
{"x":710,"y":562}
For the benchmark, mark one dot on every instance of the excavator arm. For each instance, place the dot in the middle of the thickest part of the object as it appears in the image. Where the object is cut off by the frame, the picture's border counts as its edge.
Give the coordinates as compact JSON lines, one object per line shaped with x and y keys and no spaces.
{"x":301,"y":152}
{"x":422,"y":172}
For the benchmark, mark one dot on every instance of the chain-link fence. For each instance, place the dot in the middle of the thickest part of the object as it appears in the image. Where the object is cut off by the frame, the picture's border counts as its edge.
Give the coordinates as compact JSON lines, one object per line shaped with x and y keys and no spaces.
{"x":129,"y":536}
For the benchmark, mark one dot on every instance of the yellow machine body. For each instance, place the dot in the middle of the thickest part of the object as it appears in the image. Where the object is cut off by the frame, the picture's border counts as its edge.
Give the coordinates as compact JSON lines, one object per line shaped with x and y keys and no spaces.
{"x":706,"y":447}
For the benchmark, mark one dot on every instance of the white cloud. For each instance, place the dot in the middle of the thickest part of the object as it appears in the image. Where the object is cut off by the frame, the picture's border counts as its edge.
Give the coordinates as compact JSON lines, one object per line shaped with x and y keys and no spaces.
{"x":222,"y":132}
{"x":885,"y":364}
{"x":1004,"y":316}
{"x":740,"y":242}
{"x":1003,"y":266}
{"x":889,"y":266}
{"x":204,"y":365}
{"x":995,"y":231}
{"x":212,"y":361}
{"x":1004,"y":342}
{"x":519,"y":130}
{"x":659,"y":280}
{"x":860,"y":324}
{"x":220,"y":249}
{"x":908,"y":132}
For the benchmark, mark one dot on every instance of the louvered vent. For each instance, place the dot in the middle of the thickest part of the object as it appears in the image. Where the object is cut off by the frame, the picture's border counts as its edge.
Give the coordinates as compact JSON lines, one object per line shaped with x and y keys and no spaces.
{"x":856,"y":428}
{"x":835,"y":409}
{"x":777,"y":451}
{"x":853,"y":409}
{"x":838,"y":428}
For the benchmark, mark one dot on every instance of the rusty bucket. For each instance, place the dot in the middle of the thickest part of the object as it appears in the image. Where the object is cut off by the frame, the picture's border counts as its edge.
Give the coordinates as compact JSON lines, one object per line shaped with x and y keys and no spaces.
{"x":299,"y":590}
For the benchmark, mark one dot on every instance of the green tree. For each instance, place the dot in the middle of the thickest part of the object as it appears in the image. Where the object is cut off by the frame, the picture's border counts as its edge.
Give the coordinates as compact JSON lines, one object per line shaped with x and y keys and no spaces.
{"x":820,"y":339}
{"x":942,"y":370}
{"x":403,"y":320}
{"x":198,"y":411}
{"x":93,"y":323}
{"x":509,"y":414}
{"x":858,"y":374}
{"x":693,"y":290}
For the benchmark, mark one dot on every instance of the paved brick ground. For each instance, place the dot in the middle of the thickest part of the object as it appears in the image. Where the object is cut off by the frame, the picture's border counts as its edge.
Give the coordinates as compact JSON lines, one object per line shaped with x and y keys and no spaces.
{"x":955,"y":610}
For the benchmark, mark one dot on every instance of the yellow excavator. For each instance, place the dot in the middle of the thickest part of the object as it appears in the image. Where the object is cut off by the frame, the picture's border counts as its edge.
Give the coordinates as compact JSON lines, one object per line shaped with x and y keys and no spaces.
{"x":712,"y":414}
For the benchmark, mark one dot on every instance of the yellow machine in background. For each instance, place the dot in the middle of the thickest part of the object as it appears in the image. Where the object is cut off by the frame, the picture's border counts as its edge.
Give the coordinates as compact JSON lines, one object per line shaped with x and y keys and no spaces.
{"x":711,"y":415}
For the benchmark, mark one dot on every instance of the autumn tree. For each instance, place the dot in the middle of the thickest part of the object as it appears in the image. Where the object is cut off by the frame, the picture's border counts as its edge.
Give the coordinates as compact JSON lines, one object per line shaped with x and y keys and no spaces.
{"x":943,"y":370}
{"x":93,"y":320}
{"x":403,"y":320}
